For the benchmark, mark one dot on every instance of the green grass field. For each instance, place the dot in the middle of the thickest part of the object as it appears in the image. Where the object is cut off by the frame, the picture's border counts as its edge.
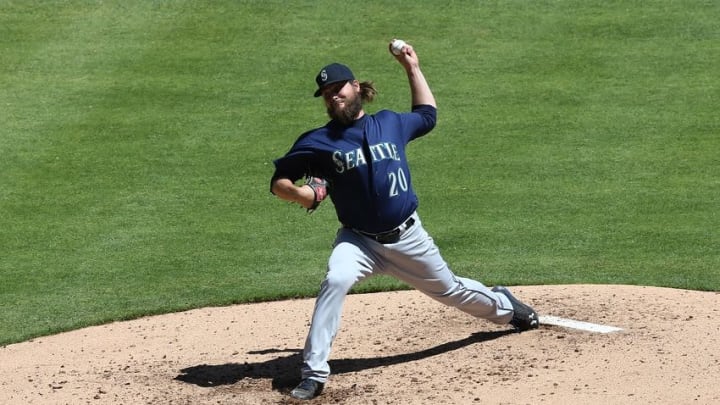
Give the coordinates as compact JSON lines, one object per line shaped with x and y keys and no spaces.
{"x":577,"y":143}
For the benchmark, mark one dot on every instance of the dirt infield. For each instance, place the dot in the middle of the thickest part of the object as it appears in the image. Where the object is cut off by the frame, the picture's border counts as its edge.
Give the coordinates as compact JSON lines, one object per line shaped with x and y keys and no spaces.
{"x":393,"y":348}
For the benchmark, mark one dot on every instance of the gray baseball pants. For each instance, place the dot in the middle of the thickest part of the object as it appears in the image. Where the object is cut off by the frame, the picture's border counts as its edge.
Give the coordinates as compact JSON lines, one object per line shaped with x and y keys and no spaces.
{"x":415,"y":260}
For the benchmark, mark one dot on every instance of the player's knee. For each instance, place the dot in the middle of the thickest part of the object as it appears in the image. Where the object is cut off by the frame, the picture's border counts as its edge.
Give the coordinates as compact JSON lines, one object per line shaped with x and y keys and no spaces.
{"x":339,"y":281}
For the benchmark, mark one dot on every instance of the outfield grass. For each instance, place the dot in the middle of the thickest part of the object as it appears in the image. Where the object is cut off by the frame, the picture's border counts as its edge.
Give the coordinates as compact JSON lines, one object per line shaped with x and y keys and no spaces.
{"x":577,"y":143}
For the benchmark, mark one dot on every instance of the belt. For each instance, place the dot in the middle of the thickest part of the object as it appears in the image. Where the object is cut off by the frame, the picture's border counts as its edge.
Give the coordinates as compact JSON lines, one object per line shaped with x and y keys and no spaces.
{"x":390,"y":236}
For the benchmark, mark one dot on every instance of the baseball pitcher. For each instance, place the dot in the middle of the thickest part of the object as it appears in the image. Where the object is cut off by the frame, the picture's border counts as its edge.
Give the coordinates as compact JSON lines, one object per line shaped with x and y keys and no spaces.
{"x":359,"y":161}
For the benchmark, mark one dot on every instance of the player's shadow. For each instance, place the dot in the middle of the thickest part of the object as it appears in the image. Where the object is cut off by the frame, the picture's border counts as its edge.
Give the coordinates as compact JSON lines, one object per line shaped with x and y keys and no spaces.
{"x":284,"y":371}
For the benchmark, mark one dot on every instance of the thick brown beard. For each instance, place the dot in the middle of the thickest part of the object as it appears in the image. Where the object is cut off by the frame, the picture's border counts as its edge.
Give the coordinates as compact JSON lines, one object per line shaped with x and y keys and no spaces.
{"x":349,"y":113}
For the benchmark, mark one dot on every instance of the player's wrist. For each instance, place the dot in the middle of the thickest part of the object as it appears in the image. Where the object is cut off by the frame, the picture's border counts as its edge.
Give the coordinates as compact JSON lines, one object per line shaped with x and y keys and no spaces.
{"x":306,"y":196}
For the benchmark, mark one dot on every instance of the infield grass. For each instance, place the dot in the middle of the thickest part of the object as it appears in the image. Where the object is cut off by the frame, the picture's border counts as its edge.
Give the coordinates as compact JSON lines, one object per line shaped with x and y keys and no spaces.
{"x":577,"y":143}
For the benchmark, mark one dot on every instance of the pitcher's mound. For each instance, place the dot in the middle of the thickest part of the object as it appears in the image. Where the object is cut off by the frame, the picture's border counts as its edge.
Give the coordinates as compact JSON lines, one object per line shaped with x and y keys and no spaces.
{"x":392,"y":348}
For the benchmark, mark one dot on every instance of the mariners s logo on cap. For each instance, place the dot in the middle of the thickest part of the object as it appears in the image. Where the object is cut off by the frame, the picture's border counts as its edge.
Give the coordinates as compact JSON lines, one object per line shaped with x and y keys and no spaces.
{"x":332,"y":73}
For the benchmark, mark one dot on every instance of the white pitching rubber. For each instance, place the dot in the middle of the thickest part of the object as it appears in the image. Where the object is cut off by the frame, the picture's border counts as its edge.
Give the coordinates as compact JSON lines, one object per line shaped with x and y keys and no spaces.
{"x":573,"y":324}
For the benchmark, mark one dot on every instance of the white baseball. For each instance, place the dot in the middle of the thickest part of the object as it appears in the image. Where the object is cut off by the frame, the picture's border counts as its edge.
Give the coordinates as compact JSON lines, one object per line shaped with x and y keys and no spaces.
{"x":397,"y":46}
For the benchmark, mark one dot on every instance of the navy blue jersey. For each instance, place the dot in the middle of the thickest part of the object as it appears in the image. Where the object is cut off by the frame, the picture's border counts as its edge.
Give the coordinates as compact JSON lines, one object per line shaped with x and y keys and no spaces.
{"x":365,"y":164}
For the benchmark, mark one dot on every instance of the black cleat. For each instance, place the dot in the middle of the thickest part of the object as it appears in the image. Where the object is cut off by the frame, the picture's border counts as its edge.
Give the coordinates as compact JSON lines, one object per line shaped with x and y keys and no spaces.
{"x":524,"y":318}
{"x":307,"y":389}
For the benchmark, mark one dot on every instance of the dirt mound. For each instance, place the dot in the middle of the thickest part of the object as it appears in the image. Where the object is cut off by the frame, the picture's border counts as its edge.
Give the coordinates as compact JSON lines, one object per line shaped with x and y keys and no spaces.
{"x":393,"y":348}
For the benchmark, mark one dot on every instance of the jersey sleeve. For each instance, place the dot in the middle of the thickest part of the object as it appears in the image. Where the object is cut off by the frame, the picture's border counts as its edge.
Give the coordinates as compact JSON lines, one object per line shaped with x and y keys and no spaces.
{"x":294,"y":165}
{"x":420,"y":121}
{"x":300,"y":161}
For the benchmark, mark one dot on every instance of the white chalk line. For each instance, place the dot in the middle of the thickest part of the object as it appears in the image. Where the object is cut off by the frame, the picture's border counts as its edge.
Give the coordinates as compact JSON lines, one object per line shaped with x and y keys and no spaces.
{"x":573,"y":324}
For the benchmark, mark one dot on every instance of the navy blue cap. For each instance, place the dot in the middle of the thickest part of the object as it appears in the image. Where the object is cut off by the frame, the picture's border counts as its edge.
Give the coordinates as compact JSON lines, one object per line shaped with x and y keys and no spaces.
{"x":332,"y":73}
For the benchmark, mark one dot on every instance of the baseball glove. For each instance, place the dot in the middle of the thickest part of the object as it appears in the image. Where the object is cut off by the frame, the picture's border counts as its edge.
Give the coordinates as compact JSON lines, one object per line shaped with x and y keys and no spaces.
{"x":319,"y":187}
